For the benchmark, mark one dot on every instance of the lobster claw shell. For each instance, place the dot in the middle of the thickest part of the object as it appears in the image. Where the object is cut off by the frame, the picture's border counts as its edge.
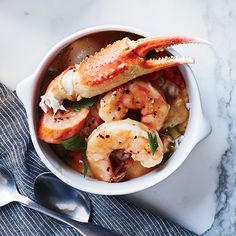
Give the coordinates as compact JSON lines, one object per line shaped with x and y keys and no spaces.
{"x":125,"y":60}
{"x":143,"y":46}
{"x":118,"y":63}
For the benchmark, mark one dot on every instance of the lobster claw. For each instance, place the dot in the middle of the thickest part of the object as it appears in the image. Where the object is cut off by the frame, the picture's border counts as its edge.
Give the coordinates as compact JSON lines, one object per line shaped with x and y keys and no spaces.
{"x":142,"y":46}
{"x":118,"y":63}
{"x":125,"y":60}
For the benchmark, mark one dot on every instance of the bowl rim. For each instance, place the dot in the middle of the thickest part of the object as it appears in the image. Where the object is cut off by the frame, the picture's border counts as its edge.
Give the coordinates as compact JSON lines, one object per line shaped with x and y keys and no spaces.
{"x":193,"y":133}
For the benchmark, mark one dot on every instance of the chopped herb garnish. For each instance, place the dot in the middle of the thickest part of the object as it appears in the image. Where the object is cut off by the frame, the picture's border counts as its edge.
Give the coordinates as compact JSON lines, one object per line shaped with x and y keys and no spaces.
{"x":84,"y":102}
{"x":84,"y":157}
{"x":76,"y":143}
{"x":152,"y":142}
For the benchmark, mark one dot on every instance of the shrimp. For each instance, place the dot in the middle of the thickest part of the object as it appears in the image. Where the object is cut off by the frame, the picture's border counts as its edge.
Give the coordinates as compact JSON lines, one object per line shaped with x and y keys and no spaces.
{"x":135,"y":95}
{"x":112,"y":66}
{"x":127,"y":135}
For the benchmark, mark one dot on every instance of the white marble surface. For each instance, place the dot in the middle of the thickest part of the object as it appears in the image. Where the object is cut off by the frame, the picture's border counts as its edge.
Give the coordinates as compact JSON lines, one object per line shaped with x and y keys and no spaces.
{"x":29,"y":28}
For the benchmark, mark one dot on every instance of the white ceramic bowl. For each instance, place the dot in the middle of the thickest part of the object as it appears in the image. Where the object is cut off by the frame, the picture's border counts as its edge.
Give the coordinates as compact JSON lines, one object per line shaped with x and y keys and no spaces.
{"x":198,"y":127}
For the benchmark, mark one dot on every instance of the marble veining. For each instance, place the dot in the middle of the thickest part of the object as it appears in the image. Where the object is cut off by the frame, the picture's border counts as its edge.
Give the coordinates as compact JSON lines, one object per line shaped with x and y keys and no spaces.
{"x":221,"y":20}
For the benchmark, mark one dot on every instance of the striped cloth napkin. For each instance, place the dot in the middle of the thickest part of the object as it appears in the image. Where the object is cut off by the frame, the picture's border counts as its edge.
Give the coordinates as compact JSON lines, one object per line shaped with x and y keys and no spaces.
{"x":18,"y":155}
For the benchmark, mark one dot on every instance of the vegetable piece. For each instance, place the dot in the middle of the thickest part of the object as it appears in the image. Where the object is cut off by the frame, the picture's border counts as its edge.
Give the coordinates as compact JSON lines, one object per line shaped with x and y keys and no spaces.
{"x":169,"y":147}
{"x":171,"y":131}
{"x":152,"y":142}
{"x":134,"y":169}
{"x":75,"y":161}
{"x":168,"y":154}
{"x":83,"y":103}
{"x":167,"y":142}
{"x":174,"y":75}
{"x":61,"y":126}
{"x":182,"y":127}
{"x":77,"y":143}
{"x":178,"y":113}
{"x":174,"y":133}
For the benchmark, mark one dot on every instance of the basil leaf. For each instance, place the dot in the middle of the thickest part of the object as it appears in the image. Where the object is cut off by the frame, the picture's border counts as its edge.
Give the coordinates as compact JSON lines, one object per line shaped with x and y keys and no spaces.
{"x":152,"y":142}
{"x":84,"y":102}
{"x":84,"y":158}
{"x":76,"y":143}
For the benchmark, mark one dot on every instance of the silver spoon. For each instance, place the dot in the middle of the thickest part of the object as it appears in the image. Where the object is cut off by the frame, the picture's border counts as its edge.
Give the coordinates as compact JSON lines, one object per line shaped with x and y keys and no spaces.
{"x":9,"y":193}
{"x":52,"y":193}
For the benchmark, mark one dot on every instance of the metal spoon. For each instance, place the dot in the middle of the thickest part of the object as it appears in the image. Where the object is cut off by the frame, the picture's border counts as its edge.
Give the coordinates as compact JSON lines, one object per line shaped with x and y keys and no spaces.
{"x":9,"y":193}
{"x":52,"y":193}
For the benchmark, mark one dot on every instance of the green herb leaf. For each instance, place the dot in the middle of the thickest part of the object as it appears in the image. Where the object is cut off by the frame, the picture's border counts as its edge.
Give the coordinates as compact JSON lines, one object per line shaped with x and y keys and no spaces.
{"x":76,"y":143}
{"x":152,"y":142}
{"x":84,"y":102}
{"x":84,"y":157}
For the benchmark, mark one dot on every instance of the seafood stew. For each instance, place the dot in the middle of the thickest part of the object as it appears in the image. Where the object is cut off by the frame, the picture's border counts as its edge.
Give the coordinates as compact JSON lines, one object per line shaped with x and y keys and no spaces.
{"x":121,"y":131}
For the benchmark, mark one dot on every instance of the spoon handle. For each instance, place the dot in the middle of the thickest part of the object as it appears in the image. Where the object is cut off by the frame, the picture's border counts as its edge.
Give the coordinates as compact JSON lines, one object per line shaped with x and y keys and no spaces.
{"x":86,"y":229}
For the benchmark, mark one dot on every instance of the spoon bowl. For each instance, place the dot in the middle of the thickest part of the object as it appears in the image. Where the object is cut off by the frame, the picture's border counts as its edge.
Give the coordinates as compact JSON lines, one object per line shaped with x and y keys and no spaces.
{"x":8,"y":187}
{"x":54,"y":194}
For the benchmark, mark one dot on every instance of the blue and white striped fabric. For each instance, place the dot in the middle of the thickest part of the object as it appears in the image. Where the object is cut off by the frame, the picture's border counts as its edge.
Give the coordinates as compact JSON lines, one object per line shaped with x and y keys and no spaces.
{"x":18,"y":155}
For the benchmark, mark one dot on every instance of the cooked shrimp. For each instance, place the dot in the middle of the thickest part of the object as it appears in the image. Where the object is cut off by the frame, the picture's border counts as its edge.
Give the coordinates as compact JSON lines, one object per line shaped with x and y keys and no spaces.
{"x":128,"y":135}
{"x":135,"y":95}
{"x":112,"y":66}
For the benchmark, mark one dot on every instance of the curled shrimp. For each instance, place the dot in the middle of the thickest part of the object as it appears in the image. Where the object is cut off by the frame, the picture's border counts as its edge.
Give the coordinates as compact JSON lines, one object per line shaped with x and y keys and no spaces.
{"x":127,"y":135}
{"x":135,"y":95}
